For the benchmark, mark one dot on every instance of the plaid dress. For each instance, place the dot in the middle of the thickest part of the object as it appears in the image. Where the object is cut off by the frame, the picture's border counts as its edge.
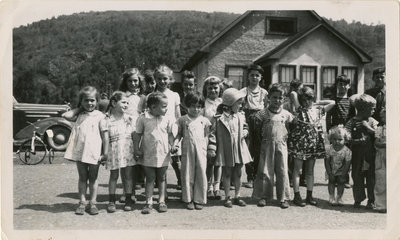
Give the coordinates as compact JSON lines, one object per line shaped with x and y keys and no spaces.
{"x":305,"y":140}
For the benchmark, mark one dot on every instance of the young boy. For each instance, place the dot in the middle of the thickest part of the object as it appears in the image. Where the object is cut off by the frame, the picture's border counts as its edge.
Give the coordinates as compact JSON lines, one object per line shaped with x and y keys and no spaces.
{"x":272,"y":123}
{"x":255,"y":100}
{"x":339,"y":114}
{"x":362,"y":128}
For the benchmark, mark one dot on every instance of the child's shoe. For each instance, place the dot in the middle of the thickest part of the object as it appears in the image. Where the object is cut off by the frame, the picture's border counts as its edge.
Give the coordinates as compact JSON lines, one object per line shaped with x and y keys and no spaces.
{"x":370,"y":205}
{"x":299,"y":201}
{"x":284,"y":204}
{"x":128,"y":206}
{"x":147,"y":209}
{"x":162,"y":207}
{"x":228,"y":203}
{"x":262,"y":203}
{"x":357,"y":204}
{"x":190,"y":206}
{"x":93,"y":209}
{"x":210,"y":195}
{"x":81,"y":208}
{"x":111,"y":208}
{"x":217,"y":195}
{"x":198,"y":206}
{"x":239,"y":202}
{"x":339,"y":201}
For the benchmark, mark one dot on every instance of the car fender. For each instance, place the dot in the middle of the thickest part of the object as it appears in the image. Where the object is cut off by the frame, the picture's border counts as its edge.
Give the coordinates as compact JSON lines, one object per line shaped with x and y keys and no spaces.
{"x":42,"y":126}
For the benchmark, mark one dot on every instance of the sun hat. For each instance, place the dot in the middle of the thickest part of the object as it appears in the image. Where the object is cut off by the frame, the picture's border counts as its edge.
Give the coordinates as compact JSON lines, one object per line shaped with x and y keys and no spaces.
{"x":231,"y":95}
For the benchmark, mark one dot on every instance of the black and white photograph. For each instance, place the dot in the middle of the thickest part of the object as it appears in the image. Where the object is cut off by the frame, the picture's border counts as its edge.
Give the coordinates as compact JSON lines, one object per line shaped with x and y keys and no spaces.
{"x":199,"y":119}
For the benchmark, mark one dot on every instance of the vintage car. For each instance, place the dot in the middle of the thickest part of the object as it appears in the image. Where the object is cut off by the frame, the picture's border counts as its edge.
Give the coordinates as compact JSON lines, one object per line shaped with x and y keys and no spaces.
{"x":51,"y":127}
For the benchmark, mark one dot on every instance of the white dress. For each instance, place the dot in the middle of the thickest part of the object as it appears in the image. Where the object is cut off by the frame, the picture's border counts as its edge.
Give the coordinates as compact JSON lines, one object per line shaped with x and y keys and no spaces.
{"x":85,"y":143}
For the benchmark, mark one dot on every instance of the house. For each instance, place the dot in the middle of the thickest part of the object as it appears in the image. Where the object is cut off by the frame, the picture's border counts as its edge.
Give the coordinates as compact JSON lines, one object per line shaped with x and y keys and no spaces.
{"x":288,"y":45}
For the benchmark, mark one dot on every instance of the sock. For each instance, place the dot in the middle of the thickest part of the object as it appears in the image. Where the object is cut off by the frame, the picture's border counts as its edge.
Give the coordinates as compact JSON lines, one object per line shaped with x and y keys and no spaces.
{"x":112,"y":197}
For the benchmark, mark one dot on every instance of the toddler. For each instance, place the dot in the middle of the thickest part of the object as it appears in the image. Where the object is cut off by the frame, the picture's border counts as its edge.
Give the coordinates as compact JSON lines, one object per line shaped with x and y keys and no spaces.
{"x":337,"y":163}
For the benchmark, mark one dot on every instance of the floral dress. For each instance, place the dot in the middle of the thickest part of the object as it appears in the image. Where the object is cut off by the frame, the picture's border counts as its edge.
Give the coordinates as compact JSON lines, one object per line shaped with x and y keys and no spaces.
{"x":121,"y":145}
{"x":305,"y":139}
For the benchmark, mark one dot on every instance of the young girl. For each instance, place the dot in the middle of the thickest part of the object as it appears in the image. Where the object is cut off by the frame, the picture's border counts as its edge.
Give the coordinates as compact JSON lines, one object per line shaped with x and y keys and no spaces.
{"x":380,"y":165}
{"x":119,"y":126}
{"x":227,"y":143}
{"x":305,"y":141}
{"x":149,"y":87}
{"x":212,"y":94}
{"x":163,"y":76}
{"x":272,"y":123}
{"x":193,"y":130}
{"x":337,"y":163}
{"x":362,"y":128}
{"x":152,"y":141}
{"x":87,"y":146}
{"x":131,"y":86}
{"x":255,"y":100}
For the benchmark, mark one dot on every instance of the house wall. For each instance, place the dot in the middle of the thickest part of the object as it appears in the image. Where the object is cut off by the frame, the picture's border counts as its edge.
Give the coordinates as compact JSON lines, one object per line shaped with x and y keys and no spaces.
{"x":246,"y":41}
{"x":320,"y":48}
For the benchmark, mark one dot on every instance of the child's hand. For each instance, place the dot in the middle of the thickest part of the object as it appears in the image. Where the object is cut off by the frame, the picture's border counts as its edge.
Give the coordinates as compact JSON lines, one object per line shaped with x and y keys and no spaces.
{"x":138,"y":154}
{"x":174,"y":149}
{"x":211,"y":153}
{"x":103,"y":159}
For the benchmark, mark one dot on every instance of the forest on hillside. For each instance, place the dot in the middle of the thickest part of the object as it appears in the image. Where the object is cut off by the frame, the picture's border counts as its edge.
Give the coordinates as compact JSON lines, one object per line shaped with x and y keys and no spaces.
{"x":54,"y":58}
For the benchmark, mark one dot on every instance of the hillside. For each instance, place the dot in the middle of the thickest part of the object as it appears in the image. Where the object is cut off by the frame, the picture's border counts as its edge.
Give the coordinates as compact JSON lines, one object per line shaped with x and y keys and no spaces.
{"x":54,"y":58}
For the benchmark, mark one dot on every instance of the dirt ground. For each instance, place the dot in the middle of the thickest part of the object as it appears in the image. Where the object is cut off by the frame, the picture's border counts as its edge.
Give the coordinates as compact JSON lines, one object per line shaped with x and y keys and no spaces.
{"x":45,"y":197}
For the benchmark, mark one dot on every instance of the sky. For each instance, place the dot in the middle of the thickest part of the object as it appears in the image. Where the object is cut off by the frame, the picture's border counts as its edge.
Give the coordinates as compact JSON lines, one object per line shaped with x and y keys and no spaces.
{"x":369,"y":12}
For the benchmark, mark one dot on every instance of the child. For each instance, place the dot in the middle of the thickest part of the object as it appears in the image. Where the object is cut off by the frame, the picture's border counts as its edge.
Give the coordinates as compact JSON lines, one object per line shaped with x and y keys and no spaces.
{"x":193,"y":129}
{"x":337,"y":163}
{"x":87,"y":146}
{"x":306,"y":142}
{"x":228,"y":145}
{"x":119,"y":126}
{"x":362,"y":128}
{"x":132,"y":87}
{"x":339,"y":114}
{"x":163,"y":76}
{"x":212,"y":94}
{"x":291,"y":105}
{"x":149,"y":87}
{"x":255,"y":100}
{"x":293,"y":101}
{"x":380,"y":165}
{"x":188,"y":86}
{"x":152,"y":141}
{"x":273,"y":156}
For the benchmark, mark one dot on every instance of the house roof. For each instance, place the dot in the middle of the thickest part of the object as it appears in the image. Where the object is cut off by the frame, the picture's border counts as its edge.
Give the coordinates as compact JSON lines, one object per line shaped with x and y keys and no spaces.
{"x":280,"y":49}
{"x":199,"y":54}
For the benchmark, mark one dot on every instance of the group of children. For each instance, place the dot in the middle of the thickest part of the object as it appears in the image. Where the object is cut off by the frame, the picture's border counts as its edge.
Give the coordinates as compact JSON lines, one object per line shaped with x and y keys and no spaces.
{"x":219,"y":132}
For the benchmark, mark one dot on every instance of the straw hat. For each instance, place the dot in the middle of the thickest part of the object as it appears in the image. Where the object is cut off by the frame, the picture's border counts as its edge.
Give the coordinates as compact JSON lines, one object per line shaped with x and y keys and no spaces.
{"x":231,"y":95}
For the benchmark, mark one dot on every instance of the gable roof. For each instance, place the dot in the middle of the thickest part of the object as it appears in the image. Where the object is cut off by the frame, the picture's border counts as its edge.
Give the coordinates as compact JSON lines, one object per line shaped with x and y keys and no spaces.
{"x":199,"y":54}
{"x":277,"y":52}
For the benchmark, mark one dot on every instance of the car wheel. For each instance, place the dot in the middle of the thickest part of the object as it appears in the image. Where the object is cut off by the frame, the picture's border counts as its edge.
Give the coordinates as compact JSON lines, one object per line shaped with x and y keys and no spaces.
{"x":59,"y":139}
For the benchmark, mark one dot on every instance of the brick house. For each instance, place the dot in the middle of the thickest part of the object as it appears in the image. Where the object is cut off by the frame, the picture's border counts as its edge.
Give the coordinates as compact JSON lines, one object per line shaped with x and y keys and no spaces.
{"x":288,"y":45}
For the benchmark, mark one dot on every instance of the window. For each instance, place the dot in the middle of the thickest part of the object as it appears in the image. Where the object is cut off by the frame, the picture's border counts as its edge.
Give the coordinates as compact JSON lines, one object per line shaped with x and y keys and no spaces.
{"x":235,"y":74}
{"x":286,"y":74}
{"x":351,"y":72}
{"x":308,"y":76}
{"x":280,"y":25}
{"x":328,"y":81}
